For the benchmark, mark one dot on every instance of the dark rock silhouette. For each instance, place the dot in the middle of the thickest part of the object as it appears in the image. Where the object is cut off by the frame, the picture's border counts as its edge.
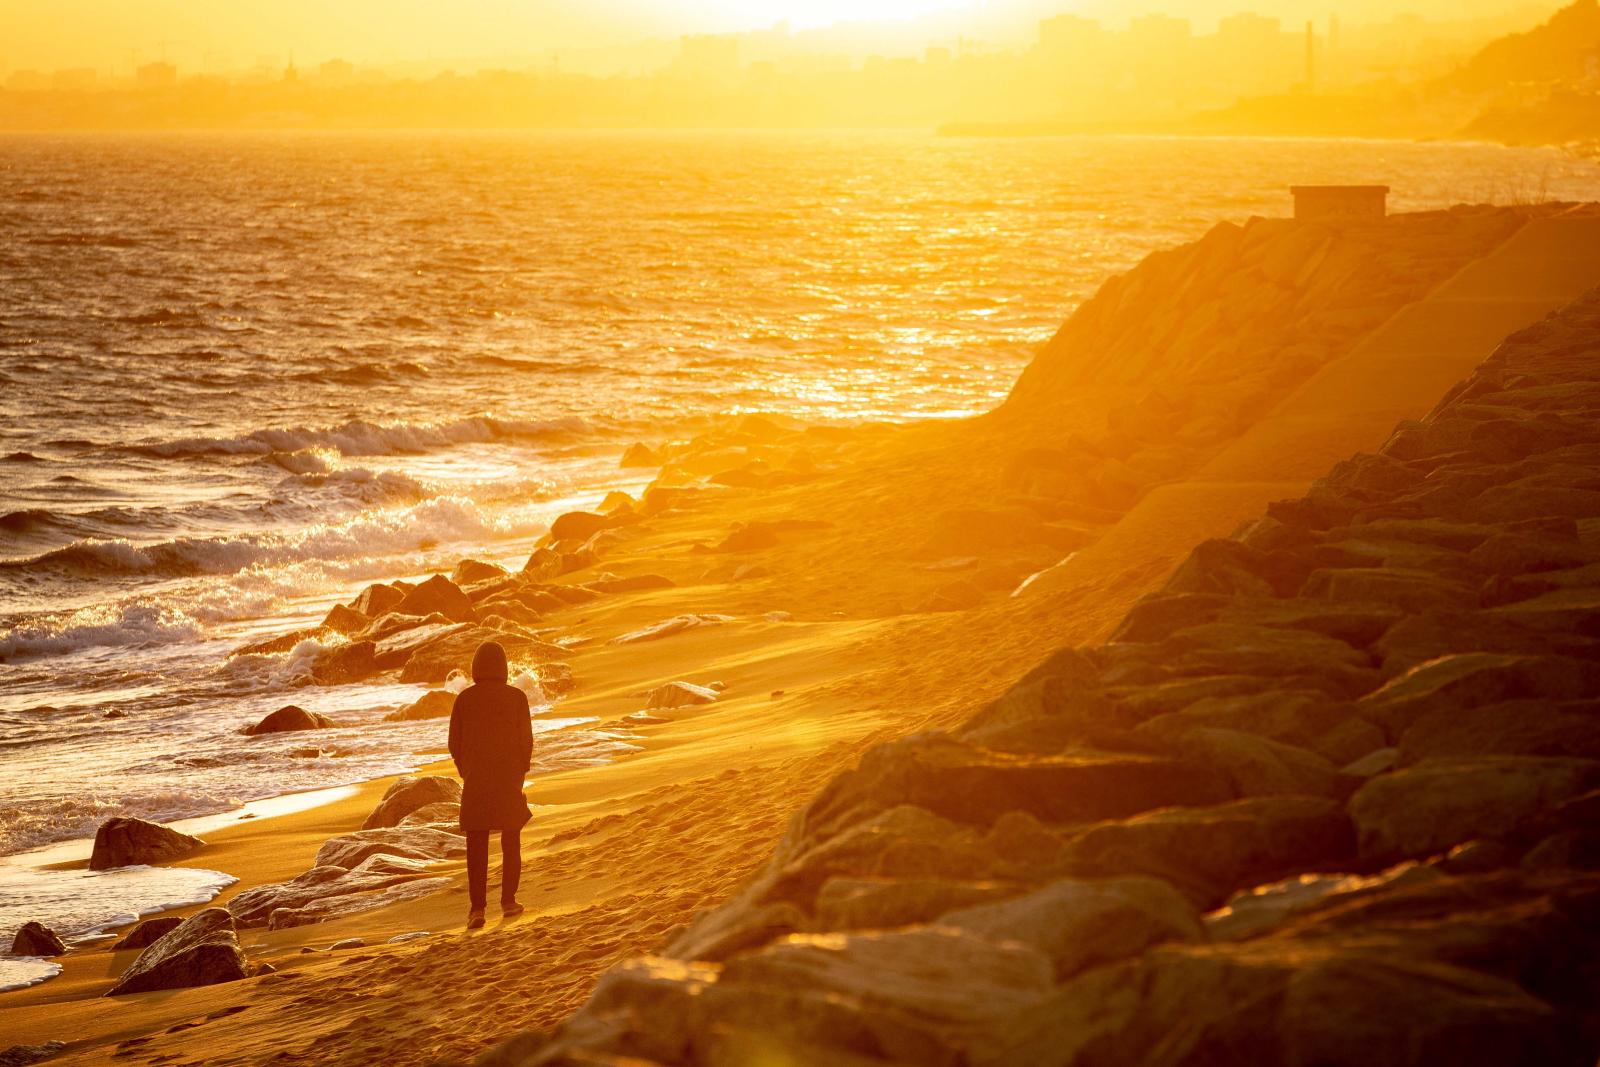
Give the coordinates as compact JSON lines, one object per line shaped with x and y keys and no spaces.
{"x":407,"y":794}
{"x":123,"y":842}
{"x":37,"y":939}
{"x":202,"y":950}
{"x":289,"y":719}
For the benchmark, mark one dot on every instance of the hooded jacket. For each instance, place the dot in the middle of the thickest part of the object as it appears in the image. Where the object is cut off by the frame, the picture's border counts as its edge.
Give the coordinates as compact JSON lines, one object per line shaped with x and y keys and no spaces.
{"x":491,"y":740}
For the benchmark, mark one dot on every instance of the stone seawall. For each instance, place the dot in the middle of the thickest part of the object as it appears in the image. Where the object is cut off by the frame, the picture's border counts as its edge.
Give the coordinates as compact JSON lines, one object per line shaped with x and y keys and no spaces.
{"x":1328,"y":797}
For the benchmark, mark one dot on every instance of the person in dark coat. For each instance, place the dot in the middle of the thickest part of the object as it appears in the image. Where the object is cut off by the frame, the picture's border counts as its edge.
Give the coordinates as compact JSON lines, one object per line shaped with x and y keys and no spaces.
{"x":491,"y":740}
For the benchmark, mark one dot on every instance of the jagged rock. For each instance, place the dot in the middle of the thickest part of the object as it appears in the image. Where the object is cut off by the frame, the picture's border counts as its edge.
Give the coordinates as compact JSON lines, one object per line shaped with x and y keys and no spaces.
{"x":957,"y":986}
{"x":1509,"y":553}
{"x":1420,"y":638}
{"x":1437,"y":804}
{"x":573,"y":594}
{"x":1208,"y":853}
{"x":976,"y":786}
{"x":396,"y":650}
{"x":386,"y":626}
{"x":1233,"y":648}
{"x":37,"y":939}
{"x":883,"y":903}
{"x":438,"y":595}
{"x":1512,"y":728}
{"x":1306,"y":718}
{"x":148,"y":932}
{"x":543,"y":565}
{"x":1288,"y":1004}
{"x":555,"y":678}
{"x":679,"y":694}
{"x":1473,"y":679}
{"x":1252,"y":910}
{"x":1411,"y":591}
{"x":376,"y":600}
{"x":256,"y":906}
{"x":343,"y":664}
{"x":1507,"y":503}
{"x":347,"y":621}
{"x":1082,"y":924}
{"x":1260,"y":767}
{"x":436,"y":704}
{"x":409,"y":793}
{"x":1230,"y":568}
{"x":202,"y":950}
{"x":472,"y":571}
{"x":577,"y":526}
{"x":28,"y":1055}
{"x":123,"y":842}
{"x":441,"y":813}
{"x":640,"y":454}
{"x":290,"y":719}
{"x":633,"y":584}
{"x":419,"y":843}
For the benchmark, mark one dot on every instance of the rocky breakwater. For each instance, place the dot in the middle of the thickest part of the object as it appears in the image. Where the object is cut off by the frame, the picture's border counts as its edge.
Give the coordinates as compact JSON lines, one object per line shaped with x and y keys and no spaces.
{"x":1196,"y":344}
{"x":1328,"y":797}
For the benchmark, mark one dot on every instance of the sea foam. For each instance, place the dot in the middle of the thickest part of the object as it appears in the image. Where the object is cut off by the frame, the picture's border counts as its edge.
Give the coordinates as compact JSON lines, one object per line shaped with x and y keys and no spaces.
{"x":361,"y":438}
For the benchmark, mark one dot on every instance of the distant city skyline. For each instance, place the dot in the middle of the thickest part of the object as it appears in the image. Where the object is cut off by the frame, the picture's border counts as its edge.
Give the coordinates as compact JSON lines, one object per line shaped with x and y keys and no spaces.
{"x":114,"y":37}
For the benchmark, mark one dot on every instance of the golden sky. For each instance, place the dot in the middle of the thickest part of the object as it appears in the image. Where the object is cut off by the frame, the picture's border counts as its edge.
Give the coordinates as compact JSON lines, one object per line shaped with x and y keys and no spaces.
{"x":48,"y":34}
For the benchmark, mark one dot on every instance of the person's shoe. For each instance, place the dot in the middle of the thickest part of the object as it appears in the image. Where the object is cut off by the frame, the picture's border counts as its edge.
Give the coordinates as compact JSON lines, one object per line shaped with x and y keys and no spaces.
{"x":512,"y":910}
{"x":475,"y":919}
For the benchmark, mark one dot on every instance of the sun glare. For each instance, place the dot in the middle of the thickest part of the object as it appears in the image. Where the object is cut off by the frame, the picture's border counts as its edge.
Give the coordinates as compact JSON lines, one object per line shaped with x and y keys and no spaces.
{"x":827,"y":12}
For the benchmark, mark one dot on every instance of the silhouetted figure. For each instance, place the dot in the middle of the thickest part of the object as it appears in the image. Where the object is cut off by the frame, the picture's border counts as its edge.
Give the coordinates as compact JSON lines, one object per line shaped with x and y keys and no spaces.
{"x":491,"y":740}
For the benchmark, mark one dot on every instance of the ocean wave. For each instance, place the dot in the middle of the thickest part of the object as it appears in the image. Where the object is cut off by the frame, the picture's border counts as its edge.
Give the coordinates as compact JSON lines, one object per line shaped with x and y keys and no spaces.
{"x":249,"y":577}
{"x":67,"y":818}
{"x":361,"y":438}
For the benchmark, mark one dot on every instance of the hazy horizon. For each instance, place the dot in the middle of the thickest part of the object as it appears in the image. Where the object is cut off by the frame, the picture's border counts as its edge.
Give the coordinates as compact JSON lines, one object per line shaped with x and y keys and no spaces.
{"x":114,"y":35}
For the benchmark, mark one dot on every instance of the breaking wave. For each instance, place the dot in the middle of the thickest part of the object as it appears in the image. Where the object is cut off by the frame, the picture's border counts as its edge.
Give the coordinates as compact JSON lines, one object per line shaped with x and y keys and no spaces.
{"x":360,"y":438}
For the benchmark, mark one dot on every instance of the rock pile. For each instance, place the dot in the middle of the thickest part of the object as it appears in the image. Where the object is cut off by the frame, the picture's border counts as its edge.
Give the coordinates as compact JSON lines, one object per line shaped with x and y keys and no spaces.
{"x":1207,"y":337}
{"x":1332,"y":796}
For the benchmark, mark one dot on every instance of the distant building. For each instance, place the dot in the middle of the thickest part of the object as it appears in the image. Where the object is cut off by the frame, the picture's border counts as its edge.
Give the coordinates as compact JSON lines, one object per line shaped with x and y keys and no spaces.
{"x":1068,"y":36}
{"x":76,"y":78}
{"x":1247,"y":32}
{"x":158,"y":75}
{"x":28,"y":81}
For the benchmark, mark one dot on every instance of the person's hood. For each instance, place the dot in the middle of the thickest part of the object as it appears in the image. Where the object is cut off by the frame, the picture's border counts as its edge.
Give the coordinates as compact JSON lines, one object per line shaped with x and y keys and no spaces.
{"x":489,"y":664}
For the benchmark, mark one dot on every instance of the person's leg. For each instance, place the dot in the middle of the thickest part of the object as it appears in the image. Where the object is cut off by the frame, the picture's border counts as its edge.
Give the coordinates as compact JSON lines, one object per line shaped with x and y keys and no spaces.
{"x":477,"y":869}
{"x":510,"y":866}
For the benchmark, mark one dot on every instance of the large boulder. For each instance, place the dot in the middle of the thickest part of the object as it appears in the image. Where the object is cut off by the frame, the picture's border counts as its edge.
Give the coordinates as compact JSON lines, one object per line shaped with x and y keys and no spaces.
{"x":1306,"y":718}
{"x":472,"y":571}
{"x":339,"y":905}
{"x":1208,"y":853}
{"x":37,"y":939}
{"x":376,"y":600}
{"x":634,"y":583}
{"x":1513,"y":728}
{"x":407,"y":794}
{"x":885,"y":903}
{"x":1438,"y":804}
{"x":148,"y":932}
{"x":1083,"y":924}
{"x":344,"y":664}
{"x":347,"y":621}
{"x":577,"y":526}
{"x":438,"y":595}
{"x":443,"y":814}
{"x":395,"y":650}
{"x":437,"y":704}
{"x":1260,"y":767}
{"x":1456,"y":683}
{"x":289,"y":719}
{"x":976,"y":786}
{"x":124,"y":842}
{"x":202,"y":950}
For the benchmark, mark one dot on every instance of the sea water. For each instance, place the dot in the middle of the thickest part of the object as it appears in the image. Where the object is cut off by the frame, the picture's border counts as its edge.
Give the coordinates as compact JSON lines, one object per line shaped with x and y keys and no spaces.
{"x":242,"y":375}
